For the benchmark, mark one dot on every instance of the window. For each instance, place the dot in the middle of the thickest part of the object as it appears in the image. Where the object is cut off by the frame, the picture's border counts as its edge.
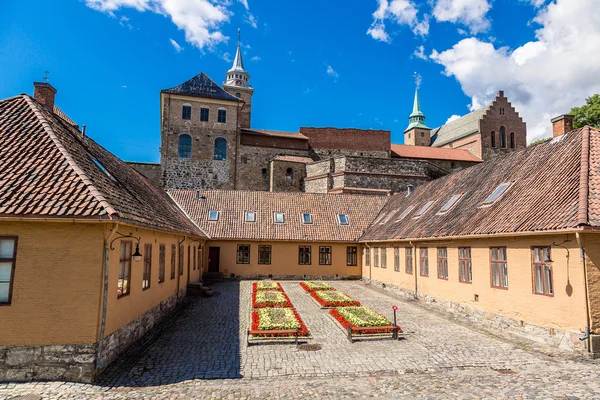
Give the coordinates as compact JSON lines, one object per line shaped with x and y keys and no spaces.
{"x":542,"y":272}
{"x":123,"y":284}
{"x":502,"y":137}
{"x":497,"y":193}
{"x":279,"y":218}
{"x":185,"y":146}
{"x":220,"y":149}
{"x":499,"y":267}
{"x":423,"y":254}
{"x":213,"y":215}
{"x":204,"y":112}
{"x":304,"y":255}
{"x":453,"y":200}
{"x":408,"y":256}
{"x":397,"y":259}
{"x":264,"y":254}
{"x":387,"y":219}
{"x":289,"y":174}
{"x":307,"y":218}
{"x":493,"y":139}
{"x":422,"y":134}
{"x":181,"y":260}
{"x":239,"y":95}
{"x":404,"y":213}
{"x":161,"y":263}
{"x":186,"y":112}
{"x":173,"y":256}
{"x":243,"y":254}
{"x":424,"y":208}
{"x":324,"y":255}
{"x":367,"y":257}
{"x":512,"y":140}
{"x":244,"y":160}
{"x":250,"y":216}
{"x":8,"y":255}
{"x":343,"y":219}
{"x":146,"y":276}
{"x":264,"y":172}
{"x":465,"y":267}
{"x":384,"y":257}
{"x":409,"y":135}
{"x":442,"y":259}
{"x":222,"y":116}
{"x":351,"y":256}
{"x":376,"y":257}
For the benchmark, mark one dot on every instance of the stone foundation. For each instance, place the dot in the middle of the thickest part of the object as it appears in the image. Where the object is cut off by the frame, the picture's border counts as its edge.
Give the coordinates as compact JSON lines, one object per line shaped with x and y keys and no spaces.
{"x":74,"y":362}
{"x":118,"y":341}
{"x":496,"y":324}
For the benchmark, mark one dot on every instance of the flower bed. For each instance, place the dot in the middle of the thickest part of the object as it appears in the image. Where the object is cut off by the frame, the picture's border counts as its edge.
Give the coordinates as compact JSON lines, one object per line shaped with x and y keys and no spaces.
{"x":267,"y":319}
{"x":330,"y":298}
{"x":266,"y":285}
{"x":270,"y":298}
{"x":311,"y":286}
{"x":361,"y":317}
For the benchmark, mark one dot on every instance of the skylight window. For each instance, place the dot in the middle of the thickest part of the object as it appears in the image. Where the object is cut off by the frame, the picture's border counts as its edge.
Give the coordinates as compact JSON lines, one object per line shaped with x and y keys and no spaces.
{"x":453,"y":200}
{"x":213,"y":215}
{"x":500,"y":190}
{"x":343,"y":219}
{"x":388,"y":218}
{"x":424,"y":208}
{"x":250,"y":216}
{"x":101,"y":167}
{"x":278,"y":218}
{"x":307,"y":218}
{"x":405,"y":213}
{"x":379,"y":218}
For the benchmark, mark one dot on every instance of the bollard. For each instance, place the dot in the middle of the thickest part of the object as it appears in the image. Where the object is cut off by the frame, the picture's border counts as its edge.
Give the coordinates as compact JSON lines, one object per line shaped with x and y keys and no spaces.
{"x":395,"y":331}
{"x":350,"y":333}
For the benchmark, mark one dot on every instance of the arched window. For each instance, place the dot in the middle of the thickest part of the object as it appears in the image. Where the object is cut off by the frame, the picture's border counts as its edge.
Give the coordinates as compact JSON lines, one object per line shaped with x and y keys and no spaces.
{"x":512,"y":140}
{"x":185,"y":146}
{"x":289,"y":174}
{"x":502,"y":137}
{"x":220,"y":149}
{"x":493,"y":139}
{"x":239,"y":95}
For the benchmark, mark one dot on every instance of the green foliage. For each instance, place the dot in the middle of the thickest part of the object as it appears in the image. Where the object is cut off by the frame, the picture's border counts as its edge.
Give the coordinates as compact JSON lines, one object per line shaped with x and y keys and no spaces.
{"x":539,"y":142}
{"x":587,"y":114}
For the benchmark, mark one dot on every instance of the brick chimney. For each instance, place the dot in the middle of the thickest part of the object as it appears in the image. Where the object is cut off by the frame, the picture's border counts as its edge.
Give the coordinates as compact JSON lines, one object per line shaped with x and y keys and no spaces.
{"x":562,"y":124}
{"x":44,"y":93}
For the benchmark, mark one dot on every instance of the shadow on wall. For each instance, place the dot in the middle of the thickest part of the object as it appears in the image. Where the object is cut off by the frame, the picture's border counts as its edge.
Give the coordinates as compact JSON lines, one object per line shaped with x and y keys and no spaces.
{"x":199,"y":341}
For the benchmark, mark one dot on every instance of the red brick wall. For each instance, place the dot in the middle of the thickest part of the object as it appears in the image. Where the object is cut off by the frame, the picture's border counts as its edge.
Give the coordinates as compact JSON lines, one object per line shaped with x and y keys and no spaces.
{"x":562,"y":125}
{"x":348,"y":139}
{"x":249,"y":139}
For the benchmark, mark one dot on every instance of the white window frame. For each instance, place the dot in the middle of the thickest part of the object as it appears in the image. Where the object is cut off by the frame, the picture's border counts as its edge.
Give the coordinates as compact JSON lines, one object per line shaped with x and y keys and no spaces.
{"x":487,"y":202}
{"x":450,"y":203}
{"x":247,"y":213}
{"x":218,"y":215}
{"x":405,"y":213}
{"x":275,"y":214}
{"x":424,"y":209}
{"x":303,"y":219}
{"x":339,"y":219}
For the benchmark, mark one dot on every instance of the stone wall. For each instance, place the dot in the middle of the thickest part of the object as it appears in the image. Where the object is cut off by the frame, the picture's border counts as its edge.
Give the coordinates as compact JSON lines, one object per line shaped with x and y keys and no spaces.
{"x":317,"y":178}
{"x":152,"y":171}
{"x":282,"y":181}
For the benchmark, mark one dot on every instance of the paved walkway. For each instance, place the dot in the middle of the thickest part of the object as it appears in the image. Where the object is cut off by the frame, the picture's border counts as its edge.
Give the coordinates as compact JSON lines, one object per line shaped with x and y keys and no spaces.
{"x":202,"y":353}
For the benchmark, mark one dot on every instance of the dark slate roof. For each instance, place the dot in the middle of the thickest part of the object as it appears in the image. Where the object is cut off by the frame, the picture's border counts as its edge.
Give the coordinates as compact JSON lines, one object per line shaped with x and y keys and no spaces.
{"x":549,"y":193}
{"x":324,"y":208}
{"x":48,"y":169}
{"x":202,"y":86}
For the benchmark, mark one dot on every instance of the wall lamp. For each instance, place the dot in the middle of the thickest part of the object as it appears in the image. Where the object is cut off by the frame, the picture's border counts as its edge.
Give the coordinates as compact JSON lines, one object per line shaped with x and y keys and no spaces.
{"x":137,"y":256}
{"x":548,"y":259}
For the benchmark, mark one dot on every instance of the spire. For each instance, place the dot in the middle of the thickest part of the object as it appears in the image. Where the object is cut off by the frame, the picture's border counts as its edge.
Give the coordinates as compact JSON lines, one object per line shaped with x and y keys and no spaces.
{"x":238,"y":63}
{"x":416,"y":104}
{"x":416,"y":118}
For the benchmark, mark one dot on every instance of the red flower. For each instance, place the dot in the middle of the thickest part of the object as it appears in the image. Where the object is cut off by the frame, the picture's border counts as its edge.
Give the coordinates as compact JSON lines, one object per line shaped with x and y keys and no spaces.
{"x":287,"y":303}
{"x":345,"y":323}
{"x":278,"y":288}
{"x":302,"y":332}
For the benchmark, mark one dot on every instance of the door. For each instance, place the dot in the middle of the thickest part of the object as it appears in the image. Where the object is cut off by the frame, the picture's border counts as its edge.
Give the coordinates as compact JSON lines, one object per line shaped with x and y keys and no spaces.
{"x":214,"y":256}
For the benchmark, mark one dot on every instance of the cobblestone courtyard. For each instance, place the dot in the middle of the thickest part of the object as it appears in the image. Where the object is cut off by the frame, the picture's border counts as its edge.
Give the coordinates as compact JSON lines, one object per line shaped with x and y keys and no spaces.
{"x":201,"y":352}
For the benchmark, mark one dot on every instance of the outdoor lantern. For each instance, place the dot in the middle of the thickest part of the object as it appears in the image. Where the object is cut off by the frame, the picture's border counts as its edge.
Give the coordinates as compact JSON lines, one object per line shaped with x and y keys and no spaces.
{"x":547,"y":259}
{"x":137,"y":256}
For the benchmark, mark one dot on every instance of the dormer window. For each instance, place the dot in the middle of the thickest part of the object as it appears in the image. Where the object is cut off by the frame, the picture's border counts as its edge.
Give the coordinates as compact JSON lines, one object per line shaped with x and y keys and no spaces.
{"x":424,"y":208}
{"x":453,"y":200}
{"x":307,"y":218}
{"x":186,"y":112}
{"x":279,"y":218}
{"x":250,"y":216}
{"x":500,"y":190}
{"x":213,"y":215}
{"x":343,"y":219}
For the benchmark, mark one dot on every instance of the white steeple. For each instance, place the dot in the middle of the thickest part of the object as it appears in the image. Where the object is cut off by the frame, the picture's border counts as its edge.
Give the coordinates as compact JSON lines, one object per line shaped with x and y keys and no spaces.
{"x":237,"y":75}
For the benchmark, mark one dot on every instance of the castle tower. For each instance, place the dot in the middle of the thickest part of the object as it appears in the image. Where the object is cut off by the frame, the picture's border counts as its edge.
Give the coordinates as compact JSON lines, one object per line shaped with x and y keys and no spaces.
{"x":417,"y":133}
{"x":236,"y":84}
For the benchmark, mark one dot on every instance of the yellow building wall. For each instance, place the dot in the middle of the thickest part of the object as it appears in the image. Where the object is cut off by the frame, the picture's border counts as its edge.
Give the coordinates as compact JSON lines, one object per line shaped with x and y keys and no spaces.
{"x":57,"y":281}
{"x":591,"y":243}
{"x":123,"y":310}
{"x":284,"y":259}
{"x":560,"y":311}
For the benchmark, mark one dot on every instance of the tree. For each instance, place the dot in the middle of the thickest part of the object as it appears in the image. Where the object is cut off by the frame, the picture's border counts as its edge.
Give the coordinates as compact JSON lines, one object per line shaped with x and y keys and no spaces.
{"x":539,"y":142}
{"x":587,"y":114}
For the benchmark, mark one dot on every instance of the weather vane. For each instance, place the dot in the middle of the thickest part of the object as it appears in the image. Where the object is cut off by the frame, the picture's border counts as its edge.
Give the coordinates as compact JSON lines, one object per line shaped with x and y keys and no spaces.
{"x":418,"y":79}
{"x":46,"y":79}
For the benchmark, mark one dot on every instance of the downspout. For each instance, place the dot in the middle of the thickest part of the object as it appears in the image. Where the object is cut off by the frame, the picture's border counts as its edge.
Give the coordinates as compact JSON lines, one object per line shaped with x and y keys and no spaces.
{"x":370,"y":263}
{"x":586,"y":335}
{"x":237,"y":143}
{"x":415,"y":268}
{"x":104,"y":296}
{"x":180,"y":266}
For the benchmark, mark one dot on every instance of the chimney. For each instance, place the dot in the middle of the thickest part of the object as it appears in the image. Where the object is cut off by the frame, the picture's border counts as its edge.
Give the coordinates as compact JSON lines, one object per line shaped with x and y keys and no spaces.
{"x":562,"y":124}
{"x":409,"y":189}
{"x":44,"y":93}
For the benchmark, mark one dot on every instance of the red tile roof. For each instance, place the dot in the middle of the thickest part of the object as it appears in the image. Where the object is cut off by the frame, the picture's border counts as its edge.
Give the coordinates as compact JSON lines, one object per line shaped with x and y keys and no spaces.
{"x":49,"y":169}
{"x":549,"y":185}
{"x":433,"y":153}
{"x":294,"y":135}
{"x":296,"y":159}
{"x":324,"y":209}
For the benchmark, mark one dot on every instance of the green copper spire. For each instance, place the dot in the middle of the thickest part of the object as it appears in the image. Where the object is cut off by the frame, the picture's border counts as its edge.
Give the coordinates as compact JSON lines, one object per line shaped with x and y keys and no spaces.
{"x":416,"y":118}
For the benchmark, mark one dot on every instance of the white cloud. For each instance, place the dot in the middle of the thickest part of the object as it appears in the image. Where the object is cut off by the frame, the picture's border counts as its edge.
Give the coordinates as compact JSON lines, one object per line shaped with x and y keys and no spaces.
{"x":535,"y":3}
{"x":245,"y":3}
{"x":123,"y":86}
{"x":471,"y":13}
{"x":124,"y":21}
{"x":420,"y":53}
{"x":542,"y":78}
{"x":452,"y":118}
{"x":251,"y":20}
{"x":402,"y":12}
{"x":176,"y":45}
{"x":332,"y":72}
{"x":200,"y":20}
{"x":255,"y":58}
{"x":226,"y":57}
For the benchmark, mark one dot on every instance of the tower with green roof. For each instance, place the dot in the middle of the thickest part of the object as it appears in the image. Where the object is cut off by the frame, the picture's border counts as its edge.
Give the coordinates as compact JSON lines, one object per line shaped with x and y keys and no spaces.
{"x":417,"y":133}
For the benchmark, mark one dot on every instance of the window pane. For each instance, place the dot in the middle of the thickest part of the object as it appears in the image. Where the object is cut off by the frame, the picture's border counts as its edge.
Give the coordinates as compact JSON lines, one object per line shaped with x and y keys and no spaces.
{"x":450,"y":203}
{"x":4,"y":288}
{"x":495,"y":277}
{"x":7,"y":248}
{"x":549,"y":289}
{"x":538,"y":279}
{"x":499,"y":190}
{"x":5,"y":269}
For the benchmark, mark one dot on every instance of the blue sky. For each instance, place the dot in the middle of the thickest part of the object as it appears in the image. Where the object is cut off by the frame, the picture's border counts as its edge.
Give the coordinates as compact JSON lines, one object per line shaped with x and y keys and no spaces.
{"x":312,"y":63}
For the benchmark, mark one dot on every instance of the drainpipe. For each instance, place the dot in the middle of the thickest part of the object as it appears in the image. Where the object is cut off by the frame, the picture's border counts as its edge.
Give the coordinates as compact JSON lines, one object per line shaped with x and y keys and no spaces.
{"x":586,"y":335}
{"x":367,"y":244}
{"x":104,"y":296}
{"x":414,"y":247}
{"x":178,"y":264}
